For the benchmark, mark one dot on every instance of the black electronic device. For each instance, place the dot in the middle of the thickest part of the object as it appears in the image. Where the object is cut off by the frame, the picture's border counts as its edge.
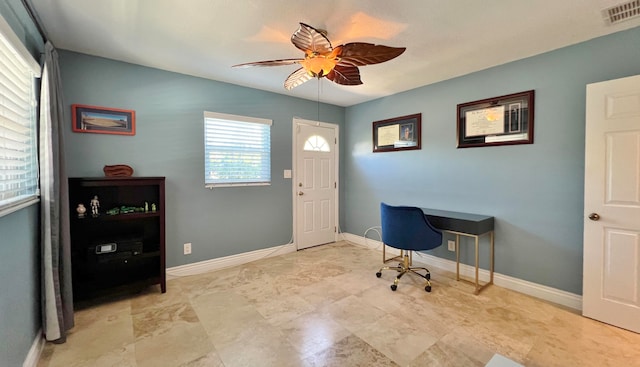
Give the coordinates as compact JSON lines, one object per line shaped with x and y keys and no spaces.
{"x":106,"y":249}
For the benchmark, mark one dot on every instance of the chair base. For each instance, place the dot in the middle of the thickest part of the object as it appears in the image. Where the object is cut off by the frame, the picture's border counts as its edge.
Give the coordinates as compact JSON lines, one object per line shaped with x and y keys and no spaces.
{"x":404,"y":268}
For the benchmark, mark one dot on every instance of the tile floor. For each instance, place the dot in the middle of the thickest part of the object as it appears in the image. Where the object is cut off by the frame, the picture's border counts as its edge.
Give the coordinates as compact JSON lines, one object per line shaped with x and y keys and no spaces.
{"x":324,"y":306}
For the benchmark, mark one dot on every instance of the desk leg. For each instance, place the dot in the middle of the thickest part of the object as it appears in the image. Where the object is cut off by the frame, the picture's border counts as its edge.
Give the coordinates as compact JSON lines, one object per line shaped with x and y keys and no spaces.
{"x":384,"y":255}
{"x":477,"y":266}
{"x":491,"y":259}
{"x":457,"y":257}
{"x":476,"y":282}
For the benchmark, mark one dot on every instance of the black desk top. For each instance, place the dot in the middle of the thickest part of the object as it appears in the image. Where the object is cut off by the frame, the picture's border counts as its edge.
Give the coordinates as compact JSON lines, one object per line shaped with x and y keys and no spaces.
{"x":475,"y":224}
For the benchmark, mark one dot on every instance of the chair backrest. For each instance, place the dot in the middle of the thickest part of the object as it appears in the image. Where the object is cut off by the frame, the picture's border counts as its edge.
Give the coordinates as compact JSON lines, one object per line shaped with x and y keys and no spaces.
{"x":407,"y":228}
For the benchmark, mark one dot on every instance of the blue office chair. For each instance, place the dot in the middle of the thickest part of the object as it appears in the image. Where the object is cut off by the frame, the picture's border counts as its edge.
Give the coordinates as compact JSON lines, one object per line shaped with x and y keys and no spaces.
{"x":407,"y":228}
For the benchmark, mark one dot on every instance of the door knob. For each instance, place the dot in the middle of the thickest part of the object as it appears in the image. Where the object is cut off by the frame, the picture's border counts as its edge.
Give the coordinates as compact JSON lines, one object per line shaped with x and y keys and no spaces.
{"x":300,"y":193}
{"x":594,"y":216}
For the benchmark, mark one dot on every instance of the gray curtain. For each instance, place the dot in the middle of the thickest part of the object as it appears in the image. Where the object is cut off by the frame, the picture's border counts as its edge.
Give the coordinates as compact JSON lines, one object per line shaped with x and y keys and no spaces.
{"x":57,"y":296}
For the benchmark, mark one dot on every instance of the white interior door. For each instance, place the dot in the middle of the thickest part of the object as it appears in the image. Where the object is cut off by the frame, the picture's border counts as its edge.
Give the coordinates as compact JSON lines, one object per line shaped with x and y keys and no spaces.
{"x":315,"y":183}
{"x":611,"y":289}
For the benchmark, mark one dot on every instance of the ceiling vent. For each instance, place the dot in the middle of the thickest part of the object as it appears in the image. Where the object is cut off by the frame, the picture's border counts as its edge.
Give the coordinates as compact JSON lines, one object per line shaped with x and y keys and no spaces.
{"x":622,"y":12}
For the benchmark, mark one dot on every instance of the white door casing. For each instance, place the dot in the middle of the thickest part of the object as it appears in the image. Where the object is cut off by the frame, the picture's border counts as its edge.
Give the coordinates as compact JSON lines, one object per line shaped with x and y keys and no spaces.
{"x":611,"y":273}
{"x":315,"y":183}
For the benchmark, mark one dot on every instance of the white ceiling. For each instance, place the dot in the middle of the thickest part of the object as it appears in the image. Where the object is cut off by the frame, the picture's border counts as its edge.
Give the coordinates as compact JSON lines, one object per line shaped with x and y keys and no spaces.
{"x":444,"y":38}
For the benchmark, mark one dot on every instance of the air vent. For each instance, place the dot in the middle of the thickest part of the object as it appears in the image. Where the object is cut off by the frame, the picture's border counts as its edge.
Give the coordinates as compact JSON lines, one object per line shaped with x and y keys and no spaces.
{"x":622,"y":12}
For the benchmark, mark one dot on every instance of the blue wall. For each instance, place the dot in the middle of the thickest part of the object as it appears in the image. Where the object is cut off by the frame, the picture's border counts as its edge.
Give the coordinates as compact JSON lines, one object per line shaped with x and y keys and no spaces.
{"x":534,"y":191}
{"x":169,"y":142}
{"x":19,"y":284}
{"x":19,"y":244}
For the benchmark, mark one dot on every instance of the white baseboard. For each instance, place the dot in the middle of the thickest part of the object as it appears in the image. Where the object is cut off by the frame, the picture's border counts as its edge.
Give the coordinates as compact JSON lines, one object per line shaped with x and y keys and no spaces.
{"x":550,"y":294}
{"x":228,"y":261}
{"x":36,"y":350}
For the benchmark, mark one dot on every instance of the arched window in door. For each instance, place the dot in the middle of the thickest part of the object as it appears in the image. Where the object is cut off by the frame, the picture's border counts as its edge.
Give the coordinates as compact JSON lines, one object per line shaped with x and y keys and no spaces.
{"x":316,"y":143}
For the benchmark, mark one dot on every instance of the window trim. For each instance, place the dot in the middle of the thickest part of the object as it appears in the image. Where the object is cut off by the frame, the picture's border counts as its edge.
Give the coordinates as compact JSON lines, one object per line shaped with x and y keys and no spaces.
{"x":21,"y":52}
{"x":238,"y":118}
{"x":19,"y":204}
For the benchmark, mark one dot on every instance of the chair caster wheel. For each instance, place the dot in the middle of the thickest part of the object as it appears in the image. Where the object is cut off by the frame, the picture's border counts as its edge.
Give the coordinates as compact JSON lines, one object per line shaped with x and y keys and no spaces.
{"x":394,"y":287}
{"x":427,"y":288}
{"x":378,"y":274}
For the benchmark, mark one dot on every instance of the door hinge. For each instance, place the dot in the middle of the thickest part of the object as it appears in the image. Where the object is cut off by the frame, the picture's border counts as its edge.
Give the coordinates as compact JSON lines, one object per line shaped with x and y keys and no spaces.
{"x":335,"y":229}
{"x":335,"y":185}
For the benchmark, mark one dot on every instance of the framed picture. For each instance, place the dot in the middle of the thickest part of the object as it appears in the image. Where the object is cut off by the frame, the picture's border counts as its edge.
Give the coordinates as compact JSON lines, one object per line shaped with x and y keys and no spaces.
{"x":103,"y":120}
{"x":399,"y":133}
{"x":504,"y":120}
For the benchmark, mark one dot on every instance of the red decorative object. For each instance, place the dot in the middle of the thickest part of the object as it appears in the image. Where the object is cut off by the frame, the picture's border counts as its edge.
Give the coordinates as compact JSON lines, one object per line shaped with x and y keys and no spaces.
{"x":118,"y":170}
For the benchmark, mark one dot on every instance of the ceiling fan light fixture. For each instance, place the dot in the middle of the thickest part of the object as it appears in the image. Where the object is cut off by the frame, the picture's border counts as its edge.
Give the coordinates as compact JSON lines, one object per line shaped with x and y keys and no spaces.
{"x":339,"y":64}
{"x":319,"y":66}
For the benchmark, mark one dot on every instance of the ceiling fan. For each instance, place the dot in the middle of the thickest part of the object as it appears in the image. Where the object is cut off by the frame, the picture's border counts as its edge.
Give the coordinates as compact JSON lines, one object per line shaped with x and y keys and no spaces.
{"x":339,"y":64}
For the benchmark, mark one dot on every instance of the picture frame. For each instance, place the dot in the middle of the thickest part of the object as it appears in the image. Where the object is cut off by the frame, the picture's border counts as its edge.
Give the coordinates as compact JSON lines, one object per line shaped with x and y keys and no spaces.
{"x":504,"y":120}
{"x":102,"y":120}
{"x":398,"y":133}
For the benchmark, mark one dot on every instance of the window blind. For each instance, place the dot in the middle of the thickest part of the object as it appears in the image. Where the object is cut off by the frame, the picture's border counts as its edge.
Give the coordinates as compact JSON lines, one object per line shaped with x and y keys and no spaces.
{"x":237,"y":150}
{"x":18,"y":140}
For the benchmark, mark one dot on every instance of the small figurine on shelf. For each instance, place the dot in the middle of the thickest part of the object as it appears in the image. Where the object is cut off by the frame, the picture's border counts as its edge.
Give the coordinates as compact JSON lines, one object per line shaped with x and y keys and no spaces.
{"x":153,"y":207}
{"x":81,"y":210}
{"x":146,"y":206}
{"x":126,"y":209}
{"x":95,"y":204}
{"x":113,"y":211}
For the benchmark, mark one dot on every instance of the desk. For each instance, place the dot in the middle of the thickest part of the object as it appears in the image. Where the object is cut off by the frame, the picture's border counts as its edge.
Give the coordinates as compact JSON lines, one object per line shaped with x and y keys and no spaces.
{"x":464,"y":224}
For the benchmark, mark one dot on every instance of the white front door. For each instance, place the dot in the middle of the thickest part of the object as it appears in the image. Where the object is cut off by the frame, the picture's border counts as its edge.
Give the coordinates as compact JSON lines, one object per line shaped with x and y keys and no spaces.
{"x":315,"y":183}
{"x":611,"y":289}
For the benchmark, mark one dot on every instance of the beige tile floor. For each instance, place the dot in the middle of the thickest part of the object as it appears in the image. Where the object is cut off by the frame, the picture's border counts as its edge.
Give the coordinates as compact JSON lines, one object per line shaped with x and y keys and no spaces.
{"x":324,"y":306}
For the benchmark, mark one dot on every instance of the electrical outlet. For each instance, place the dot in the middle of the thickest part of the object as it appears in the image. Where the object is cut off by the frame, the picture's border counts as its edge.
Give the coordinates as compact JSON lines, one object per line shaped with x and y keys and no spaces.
{"x":187,"y":248}
{"x":451,"y":245}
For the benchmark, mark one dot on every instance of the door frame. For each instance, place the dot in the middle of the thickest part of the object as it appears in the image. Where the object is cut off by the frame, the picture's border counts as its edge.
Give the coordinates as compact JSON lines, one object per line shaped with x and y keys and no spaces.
{"x":297,"y":121}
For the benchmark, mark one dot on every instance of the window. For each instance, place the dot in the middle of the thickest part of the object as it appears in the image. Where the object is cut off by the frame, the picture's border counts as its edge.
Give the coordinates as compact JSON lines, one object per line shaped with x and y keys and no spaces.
{"x":316,"y":143}
{"x":18,"y":140}
{"x":237,"y":150}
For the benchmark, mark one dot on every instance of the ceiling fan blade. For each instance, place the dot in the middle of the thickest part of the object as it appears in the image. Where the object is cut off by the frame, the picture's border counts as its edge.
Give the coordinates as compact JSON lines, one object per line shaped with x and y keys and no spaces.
{"x":360,"y":53}
{"x":268,"y":63}
{"x":345,"y":75}
{"x":307,"y":38}
{"x":297,"y":78}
